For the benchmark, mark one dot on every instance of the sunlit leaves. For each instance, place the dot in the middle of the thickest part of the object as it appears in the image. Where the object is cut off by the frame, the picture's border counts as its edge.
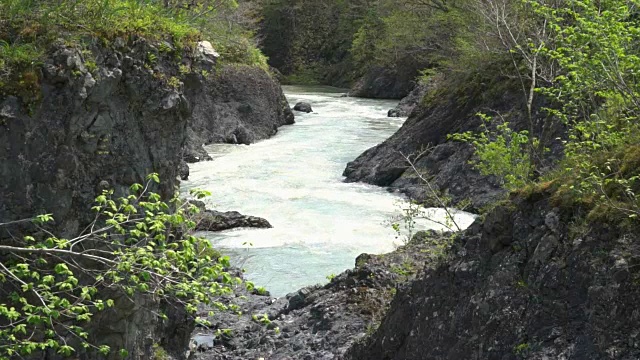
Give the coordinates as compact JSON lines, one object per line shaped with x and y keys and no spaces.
{"x":501,"y":152}
{"x":596,"y":46}
{"x":139,"y":245}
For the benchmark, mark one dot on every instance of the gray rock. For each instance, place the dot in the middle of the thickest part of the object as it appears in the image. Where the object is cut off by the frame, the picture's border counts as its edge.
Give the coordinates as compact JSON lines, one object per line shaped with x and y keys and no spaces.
{"x":211,"y":220}
{"x":410,"y":102}
{"x":236,"y":106}
{"x":303,"y":107}
{"x":183,"y":171}
{"x":516,"y":303}
{"x":206,"y":49}
{"x":452,"y":109}
{"x":386,"y":83}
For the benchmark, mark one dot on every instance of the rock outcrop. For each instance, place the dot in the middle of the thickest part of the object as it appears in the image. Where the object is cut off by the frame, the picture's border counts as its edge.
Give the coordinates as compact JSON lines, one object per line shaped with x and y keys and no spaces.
{"x":112,"y":125}
{"x":238,"y":105}
{"x":528,"y":282}
{"x":409,"y":102}
{"x":104,"y":118}
{"x":303,"y":107}
{"x":446,"y":108}
{"x":385,"y":83}
{"x":317,"y":322}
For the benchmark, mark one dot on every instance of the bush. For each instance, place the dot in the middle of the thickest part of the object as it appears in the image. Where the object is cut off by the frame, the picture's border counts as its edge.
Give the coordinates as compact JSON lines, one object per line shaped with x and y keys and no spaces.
{"x":502,"y":152}
{"x":136,"y":245}
{"x":29,"y":27}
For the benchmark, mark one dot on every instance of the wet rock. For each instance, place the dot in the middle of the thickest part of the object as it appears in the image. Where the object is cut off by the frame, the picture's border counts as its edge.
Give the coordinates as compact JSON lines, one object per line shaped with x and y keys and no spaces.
{"x":211,"y":220}
{"x":303,"y":107}
{"x":395,"y":113}
{"x":183,"y":171}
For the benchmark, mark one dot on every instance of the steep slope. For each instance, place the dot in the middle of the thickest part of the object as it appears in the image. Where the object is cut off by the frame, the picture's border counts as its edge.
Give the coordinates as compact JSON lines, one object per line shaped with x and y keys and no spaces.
{"x":449,"y":106}
{"x":531,"y":281}
{"x":240,"y":105}
{"x":105,"y":117}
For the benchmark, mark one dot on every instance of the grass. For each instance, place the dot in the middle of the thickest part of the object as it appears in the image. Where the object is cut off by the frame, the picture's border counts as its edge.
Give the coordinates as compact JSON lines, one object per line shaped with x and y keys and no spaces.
{"x":28,"y":28}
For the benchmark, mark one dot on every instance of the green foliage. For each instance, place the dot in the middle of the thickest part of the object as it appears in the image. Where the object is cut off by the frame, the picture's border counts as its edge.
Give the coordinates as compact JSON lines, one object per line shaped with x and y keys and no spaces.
{"x":596,"y":45}
{"x":137,"y":244}
{"x":28,"y":28}
{"x":502,"y":152}
{"x":522,"y":349}
{"x":159,"y":353}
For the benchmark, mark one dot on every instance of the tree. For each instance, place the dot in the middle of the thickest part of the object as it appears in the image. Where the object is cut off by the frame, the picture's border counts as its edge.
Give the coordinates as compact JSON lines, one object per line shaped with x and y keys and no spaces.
{"x":136,"y":244}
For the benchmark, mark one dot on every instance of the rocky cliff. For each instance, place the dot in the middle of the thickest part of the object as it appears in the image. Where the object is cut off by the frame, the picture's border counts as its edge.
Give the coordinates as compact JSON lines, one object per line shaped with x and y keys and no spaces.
{"x":241,"y":105}
{"x":448,"y":106}
{"x":531,"y":281}
{"x":105,"y":116}
{"x":104,"y":127}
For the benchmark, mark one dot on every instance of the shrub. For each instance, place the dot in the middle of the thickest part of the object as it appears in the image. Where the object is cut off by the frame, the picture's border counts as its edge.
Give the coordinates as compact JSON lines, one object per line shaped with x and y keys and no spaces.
{"x":137,"y":244}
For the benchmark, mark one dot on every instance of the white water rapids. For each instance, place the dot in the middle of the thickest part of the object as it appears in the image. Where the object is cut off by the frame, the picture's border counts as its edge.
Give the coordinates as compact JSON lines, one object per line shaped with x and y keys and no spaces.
{"x":294,"y":180}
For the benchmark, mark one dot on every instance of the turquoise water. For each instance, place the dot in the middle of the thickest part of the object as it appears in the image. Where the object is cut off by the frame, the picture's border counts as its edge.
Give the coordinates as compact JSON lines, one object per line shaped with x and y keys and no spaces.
{"x":295,"y":181}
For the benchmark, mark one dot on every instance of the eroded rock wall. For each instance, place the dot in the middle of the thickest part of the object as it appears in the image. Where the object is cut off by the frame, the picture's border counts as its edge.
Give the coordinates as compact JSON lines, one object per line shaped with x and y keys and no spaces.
{"x":241,"y":105}
{"x":528,"y":282}
{"x":448,"y":107}
{"x":105,"y":117}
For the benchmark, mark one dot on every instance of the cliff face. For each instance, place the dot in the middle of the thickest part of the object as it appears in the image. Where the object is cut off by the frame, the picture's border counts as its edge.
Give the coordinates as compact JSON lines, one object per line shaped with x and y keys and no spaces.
{"x":121,"y":121}
{"x":105,"y":117}
{"x":447,"y":108}
{"x":113,"y":125}
{"x":531,"y":281}
{"x":240,"y":106}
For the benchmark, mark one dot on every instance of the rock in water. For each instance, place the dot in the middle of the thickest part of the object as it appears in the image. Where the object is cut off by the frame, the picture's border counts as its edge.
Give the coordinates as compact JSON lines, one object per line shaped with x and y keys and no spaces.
{"x":303,"y":107}
{"x":394,"y":113}
{"x":183,"y":170}
{"x":210,"y":220}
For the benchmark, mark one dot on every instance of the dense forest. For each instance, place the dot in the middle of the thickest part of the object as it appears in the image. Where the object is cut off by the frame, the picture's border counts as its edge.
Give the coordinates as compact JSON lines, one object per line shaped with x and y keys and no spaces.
{"x":546,"y":93}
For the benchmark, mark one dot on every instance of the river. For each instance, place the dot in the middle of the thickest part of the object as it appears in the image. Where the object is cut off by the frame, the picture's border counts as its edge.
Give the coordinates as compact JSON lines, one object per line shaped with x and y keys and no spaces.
{"x":294,"y":180}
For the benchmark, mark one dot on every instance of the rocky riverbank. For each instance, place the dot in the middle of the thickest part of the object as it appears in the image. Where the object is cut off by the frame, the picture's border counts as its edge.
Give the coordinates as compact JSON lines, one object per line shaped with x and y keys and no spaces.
{"x":532,"y":281}
{"x":528,"y":281}
{"x":317,"y":322}
{"x":448,"y":106}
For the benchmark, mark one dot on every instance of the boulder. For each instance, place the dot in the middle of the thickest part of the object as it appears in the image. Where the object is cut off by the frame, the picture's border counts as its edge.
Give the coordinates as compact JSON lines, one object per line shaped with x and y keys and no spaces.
{"x":303,"y":107}
{"x":237,"y":105}
{"x":211,"y":220}
{"x":206,"y":54}
{"x":395,"y":113}
{"x":183,"y":170}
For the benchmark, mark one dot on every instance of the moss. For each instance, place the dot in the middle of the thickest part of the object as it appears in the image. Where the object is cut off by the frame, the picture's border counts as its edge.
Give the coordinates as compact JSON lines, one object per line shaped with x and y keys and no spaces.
{"x":631,"y":161}
{"x":28,"y":28}
{"x":607,"y":213}
{"x":159,"y":353}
